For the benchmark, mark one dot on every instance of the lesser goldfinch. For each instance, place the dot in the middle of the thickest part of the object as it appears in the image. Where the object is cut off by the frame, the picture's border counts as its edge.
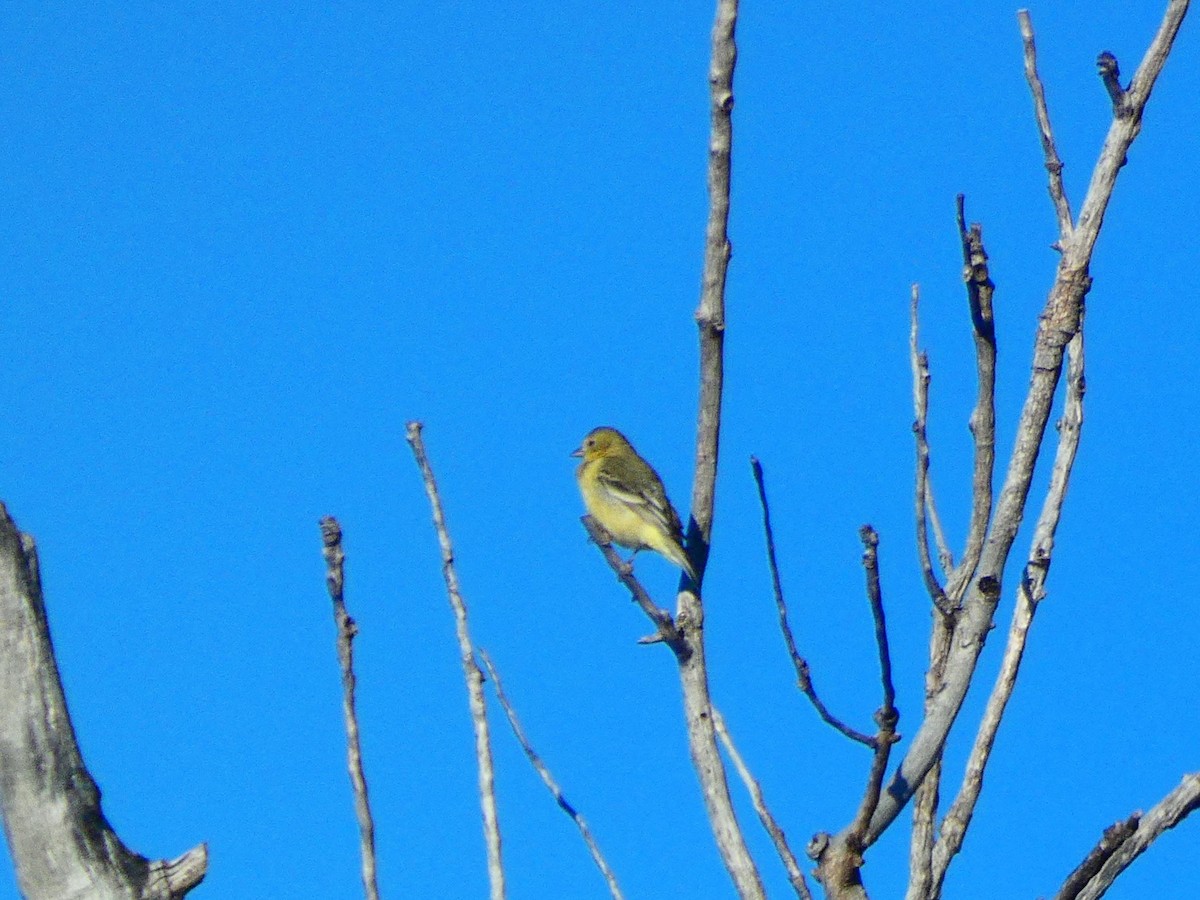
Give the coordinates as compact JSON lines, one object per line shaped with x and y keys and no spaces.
{"x":625,"y":495}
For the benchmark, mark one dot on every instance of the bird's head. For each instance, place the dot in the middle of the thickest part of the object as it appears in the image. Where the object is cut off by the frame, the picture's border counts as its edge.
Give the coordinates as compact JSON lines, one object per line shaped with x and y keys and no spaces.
{"x":601,"y":442}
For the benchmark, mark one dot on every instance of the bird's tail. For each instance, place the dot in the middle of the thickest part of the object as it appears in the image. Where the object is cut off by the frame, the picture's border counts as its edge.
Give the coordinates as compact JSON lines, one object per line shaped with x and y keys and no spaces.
{"x":679,"y":556}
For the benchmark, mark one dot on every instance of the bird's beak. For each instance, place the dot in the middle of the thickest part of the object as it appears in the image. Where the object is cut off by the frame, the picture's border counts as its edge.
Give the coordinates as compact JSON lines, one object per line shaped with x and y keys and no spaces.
{"x":577,"y":452}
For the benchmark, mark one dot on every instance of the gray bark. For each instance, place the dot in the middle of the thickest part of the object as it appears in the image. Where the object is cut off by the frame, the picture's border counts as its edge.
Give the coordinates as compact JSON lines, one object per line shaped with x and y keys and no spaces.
{"x":61,"y":844}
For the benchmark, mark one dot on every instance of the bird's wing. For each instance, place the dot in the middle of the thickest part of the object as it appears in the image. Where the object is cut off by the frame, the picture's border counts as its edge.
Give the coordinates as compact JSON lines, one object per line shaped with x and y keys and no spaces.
{"x":651,"y":501}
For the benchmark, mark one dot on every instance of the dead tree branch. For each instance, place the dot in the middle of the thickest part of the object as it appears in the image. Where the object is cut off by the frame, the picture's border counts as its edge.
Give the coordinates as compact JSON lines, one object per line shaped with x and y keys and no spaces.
{"x":710,"y":319}
{"x":667,"y":632}
{"x":839,"y":857}
{"x":769,"y":823}
{"x":799,"y":663}
{"x":60,"y":842}
{"x":923,"y":502}
{"x":1054,"y":166}
{"x":548,"y":779}
{"x":980,"y":291}
{"x":1058,"y":324}
{"x":1030,"y":593}
{"x":471,"y":671}
{"x":1112,"y":839}
{"x":347,"y":629}
{"x":1166,"y":814}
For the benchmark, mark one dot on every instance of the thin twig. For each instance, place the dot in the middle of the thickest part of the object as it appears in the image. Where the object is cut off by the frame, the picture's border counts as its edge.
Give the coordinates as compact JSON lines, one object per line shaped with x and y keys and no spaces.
{"x":547,"y":779}
{"x":1057,"y":324}
{"x":667,"y":632}
{"x":1029,"y":594}
{"x":799,"y":663}
{"x":923,"y":493}
{"x":1166,"y":814}
{"x":347,"y":629}
{"x":795,"y":875}
{"x":471,"y":671}
{"x":1054,"y":166}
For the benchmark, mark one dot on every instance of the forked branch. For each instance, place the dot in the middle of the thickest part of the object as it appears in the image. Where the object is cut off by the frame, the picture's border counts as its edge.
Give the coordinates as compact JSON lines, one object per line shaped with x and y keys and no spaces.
{"x":1059,"y":322}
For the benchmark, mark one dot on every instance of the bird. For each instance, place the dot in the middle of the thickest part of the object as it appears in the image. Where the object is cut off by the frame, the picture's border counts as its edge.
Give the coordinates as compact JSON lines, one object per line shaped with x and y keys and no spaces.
{"x":626,"y":497}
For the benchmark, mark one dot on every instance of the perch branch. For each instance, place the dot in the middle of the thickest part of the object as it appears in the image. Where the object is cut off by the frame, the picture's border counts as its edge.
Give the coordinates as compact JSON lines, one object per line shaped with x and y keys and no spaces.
{"x":795,"y":875}
{"x":667,"y":632}
{"x":799,"y":663}
{"x":471,"y":671}
{"x":710,"y":319}
{"x":1058,"y":323}
{"x":347,"y":629}
{"x":547,"y":779}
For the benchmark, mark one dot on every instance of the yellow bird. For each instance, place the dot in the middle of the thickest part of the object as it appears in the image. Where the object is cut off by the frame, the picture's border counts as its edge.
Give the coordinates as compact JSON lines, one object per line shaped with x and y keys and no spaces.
{"x":625,"y":495}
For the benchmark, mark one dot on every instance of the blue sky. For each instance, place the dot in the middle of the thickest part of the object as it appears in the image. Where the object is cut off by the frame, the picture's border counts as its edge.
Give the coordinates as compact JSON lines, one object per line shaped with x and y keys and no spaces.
{"x":242,"y":245}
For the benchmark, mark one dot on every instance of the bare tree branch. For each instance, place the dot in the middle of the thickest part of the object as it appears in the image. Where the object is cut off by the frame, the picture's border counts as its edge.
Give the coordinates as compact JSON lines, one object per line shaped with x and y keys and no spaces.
{"x":983,"y":429}
{"x":1057,"y":324}
{"x":795,"y":875}
{"x":710,"y":316}
{"x":706,"y":758}
{"x":1054,"y":166}
{"x":1030,"y":592}
{"x":471,"y":670}
{"x":1166,"y":814}
{"x":839,"y":857}
{"x":980,"y":290}
{"x":667,"y":632}
{"x":347,"y":629}
{"x":870,"y":539}
{"x":799,"y":663}
{"x":547,"y":779}
{"x":710,"y":319}
{"x":60,"y":842}
{"x":1123,"y":130}
{"x":920,"y":851}
{"x":1112,"y":839}
{"x":923,"y":494}
{"x":1110,"y":74}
